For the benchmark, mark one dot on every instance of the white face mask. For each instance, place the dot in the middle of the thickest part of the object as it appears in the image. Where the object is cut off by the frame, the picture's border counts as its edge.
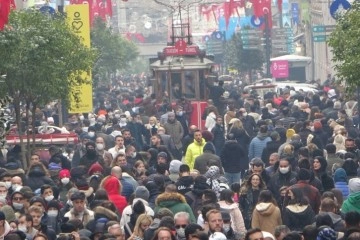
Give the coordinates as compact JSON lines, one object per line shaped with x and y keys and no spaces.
{"x":226,"y":227}
{"x":91,"y":134}
{"x":3,"y":195}
{"x":123,"y":120}
{"x":133,"y":154}
{"x":49,"y":198}
{"x":15,"y":187}
{"x":85,"y":129}
{"x":81,"y":118}
{"x":18,"y":206}
{"x":8,"y":184}
{"x":284,"y":170}
{"x":100,"y":146}
{"x":65,"y":180}
{"x":22,"y":228}
{"x":52,"y":213}
{"x":244,"y":114}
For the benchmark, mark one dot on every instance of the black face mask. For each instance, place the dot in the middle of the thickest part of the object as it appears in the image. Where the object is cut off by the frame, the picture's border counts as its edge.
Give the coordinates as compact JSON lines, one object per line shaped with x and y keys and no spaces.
{"x":91,"y":153}
{"x":350,"y":149}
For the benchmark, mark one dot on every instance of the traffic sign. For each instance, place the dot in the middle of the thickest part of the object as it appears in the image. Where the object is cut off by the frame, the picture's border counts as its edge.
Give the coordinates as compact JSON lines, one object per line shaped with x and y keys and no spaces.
{"x":319,"y":28}
{"x":282,"y":30}
{"x":250,"y":31}
{"x":252,"y":47}
{"x":282,"y":41}
{"x":319,"y":38}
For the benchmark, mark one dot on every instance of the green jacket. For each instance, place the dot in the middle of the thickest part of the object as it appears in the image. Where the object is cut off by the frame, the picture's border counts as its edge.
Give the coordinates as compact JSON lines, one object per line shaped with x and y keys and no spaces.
{"x":175,"y":202}
{"x":352,"y":203}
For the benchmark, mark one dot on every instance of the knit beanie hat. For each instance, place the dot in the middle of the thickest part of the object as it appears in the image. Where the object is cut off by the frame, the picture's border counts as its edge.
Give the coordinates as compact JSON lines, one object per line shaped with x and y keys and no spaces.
{"x":142,"y":192}
{"x":162,"y":154}
{"x":38,"y":199}
{"x":290,"y":132}
{"x":317,"y":125}
{"x":64,"y":173}
{"x":8,"y":212}
{"x":354,"y":185}
{"x":175,"y":166}
{"x":326,"y":233}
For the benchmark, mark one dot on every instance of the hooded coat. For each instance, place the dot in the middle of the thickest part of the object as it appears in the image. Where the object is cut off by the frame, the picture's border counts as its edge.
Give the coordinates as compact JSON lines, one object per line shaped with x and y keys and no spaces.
{"x":326,"y":180}
{"x":266,"y":216}
{"x":296,"y":217}
{"x":175,"y":202}
{"x":37,"y":177}
{"x":257,"y":145}
{"x":237,"y":221}
{"x":234,"y":158}
{"x":113,"y":187}
{"x":340,"y":179}
{"x":352,"y":203}
{"x":206,"y":159}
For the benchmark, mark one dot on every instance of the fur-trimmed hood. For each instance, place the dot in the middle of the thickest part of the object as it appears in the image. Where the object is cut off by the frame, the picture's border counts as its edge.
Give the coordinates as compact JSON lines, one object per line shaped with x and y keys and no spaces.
{"x":101,"y":212}
{"x":169,"y":199}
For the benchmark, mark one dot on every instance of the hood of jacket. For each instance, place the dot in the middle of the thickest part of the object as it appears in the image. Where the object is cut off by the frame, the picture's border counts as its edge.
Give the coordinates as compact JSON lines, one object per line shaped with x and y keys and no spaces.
{"x":101,"y":212}
{"x":262,"y":136}
{"x":213,"y":172}
{"x":226,"y":206}
{"x":265,"y":209}
{"x":354,"y":198}
{"x":340,"y":175}
{"x":112,"y":185}
{"x":37,"y":171}
{"x":296,"y":208}
{"x":169,"y":200}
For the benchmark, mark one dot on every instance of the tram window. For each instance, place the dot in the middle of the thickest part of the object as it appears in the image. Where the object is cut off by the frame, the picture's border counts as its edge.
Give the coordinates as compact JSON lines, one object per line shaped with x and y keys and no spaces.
{"x":190,"y":85}
{"x":176,"y":85}
{"x":202,"y":84}
{"x":163,"y":82}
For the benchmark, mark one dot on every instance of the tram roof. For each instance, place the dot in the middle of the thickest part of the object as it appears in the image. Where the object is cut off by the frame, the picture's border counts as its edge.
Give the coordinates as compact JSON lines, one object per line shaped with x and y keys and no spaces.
{"x":181,"y":63}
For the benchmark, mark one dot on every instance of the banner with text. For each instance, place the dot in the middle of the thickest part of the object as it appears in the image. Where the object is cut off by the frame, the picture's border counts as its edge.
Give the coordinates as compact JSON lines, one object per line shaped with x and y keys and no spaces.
{"x":80,"y":95}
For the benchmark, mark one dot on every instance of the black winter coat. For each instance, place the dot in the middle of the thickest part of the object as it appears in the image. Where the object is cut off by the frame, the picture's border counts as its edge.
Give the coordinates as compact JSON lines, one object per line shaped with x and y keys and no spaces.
{"x":234,"y":158}
{"x":271,"y":147}
{"x":37,"y":178}
{"x":219,"y":138}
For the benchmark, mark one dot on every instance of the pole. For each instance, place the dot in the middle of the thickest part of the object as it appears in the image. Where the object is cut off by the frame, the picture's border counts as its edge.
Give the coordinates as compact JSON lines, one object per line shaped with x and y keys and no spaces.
{"x":267,"y":33}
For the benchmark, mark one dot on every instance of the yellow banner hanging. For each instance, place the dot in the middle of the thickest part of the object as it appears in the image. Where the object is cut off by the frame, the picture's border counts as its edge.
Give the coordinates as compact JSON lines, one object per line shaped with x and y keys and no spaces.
{"x":81,"y":95}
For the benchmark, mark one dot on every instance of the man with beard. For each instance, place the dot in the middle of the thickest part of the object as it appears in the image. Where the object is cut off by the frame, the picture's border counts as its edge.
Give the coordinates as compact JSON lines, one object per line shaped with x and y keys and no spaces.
{"x":91,"y":157}
{"x":194,"y":149}
{"x":128,"y":139}
{"x":216,"y":224}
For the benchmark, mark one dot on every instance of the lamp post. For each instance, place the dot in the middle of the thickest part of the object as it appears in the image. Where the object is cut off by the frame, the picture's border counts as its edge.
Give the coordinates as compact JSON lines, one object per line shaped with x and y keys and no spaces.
{"x":267,"y":33}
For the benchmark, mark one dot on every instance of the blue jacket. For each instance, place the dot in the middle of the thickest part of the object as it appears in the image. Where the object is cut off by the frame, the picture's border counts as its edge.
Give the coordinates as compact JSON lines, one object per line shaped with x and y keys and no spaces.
{"x":257,"y":145}
{"x":344,"y":188}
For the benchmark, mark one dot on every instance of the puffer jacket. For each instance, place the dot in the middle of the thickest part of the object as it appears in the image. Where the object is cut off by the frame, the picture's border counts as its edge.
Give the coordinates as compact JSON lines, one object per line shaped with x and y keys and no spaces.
{"x":113,"y":187}
{"x":352,"y":203}
{"x":340,"y":179}
{"x":175,"y":202}
{"x":296,"y":217}
{"x":193,"y":150}
{"x":257,"y":145}
{"x":237,"y":221}
{"x":266,"y":216}
{"x":37,"y":177}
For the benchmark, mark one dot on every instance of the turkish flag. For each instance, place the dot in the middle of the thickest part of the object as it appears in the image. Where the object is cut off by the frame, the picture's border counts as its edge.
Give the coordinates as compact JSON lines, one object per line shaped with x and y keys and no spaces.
{"x":262,"y":8}
{"x":228,"y":10}
{"x":5,"y":7}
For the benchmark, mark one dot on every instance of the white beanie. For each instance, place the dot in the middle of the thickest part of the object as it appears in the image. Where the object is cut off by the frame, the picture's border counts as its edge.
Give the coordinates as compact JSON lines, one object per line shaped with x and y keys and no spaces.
{"x":354,"y":185}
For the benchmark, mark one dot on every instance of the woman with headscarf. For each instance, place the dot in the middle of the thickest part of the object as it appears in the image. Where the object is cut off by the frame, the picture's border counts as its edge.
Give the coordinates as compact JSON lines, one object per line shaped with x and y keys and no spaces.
{"x":319,"y":168}
{"x":215,"y":180}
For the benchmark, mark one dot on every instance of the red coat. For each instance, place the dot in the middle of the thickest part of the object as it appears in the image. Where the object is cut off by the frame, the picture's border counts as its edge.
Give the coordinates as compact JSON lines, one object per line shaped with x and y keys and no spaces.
{"x":113,"y":187}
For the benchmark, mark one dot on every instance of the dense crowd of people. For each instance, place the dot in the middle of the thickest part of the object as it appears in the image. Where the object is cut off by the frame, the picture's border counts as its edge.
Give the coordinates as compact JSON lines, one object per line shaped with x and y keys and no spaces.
{"x":282,"y":166}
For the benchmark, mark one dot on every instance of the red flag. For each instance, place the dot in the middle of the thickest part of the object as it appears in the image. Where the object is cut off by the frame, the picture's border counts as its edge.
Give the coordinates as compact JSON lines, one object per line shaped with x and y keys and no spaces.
{"x":279,"y":3}
{"x":228,"y":10}
{"x":262,"y":8}
{"x":5,"y":7}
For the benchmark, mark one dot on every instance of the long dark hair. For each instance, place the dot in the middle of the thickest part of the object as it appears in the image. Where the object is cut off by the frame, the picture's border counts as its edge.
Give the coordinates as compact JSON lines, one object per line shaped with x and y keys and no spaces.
{"x":266,"y":196}
{"x":247,"y":184}
{"x":298,"y":197}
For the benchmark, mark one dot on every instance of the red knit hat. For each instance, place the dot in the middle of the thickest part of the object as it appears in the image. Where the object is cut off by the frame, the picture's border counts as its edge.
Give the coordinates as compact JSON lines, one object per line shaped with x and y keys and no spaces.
{"x":96,"y":167}
{"x":64,"y":173}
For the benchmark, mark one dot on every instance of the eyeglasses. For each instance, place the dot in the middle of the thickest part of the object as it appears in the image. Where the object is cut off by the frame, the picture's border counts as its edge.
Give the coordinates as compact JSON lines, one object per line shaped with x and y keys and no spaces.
{"x":258,"y":238}
{"x":18,"y":198}
{"x":180,"y":226}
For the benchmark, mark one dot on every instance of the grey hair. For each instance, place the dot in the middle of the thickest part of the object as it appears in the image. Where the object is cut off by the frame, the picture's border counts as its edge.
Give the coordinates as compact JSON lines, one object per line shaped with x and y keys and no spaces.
{"x":182,"y":214}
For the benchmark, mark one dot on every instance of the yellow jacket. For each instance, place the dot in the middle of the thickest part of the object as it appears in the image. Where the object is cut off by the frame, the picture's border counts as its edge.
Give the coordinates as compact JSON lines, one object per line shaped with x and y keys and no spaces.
{"x":193,"y":150}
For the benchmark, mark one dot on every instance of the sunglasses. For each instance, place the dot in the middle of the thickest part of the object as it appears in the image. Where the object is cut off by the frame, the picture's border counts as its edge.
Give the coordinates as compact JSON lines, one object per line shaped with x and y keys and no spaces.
{"x":180,"y":226}
{"x":17,"y":198}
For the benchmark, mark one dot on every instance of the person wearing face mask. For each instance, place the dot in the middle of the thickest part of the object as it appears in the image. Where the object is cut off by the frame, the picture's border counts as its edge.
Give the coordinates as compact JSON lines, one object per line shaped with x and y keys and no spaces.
{"x":17,"y":201}
{"x":119,"y":146}
{"x":65,"y":184}
{"x":53,"y":221}
{"x":91,"y":156}
{"x":3,"y":191}
{"x":16,"y":184}
{"x":26,"y":226}
{"x":47,"y":193}
{"x":283,"y":177}
{"x":100,"y":148}
{"x":181,"y":221}
{"x":248,"y":122}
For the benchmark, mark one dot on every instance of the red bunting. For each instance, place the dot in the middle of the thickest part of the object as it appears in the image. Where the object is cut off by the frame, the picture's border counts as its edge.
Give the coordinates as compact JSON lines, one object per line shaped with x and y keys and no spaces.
{"x":262,"y":8}
{"x":5,"y":7}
